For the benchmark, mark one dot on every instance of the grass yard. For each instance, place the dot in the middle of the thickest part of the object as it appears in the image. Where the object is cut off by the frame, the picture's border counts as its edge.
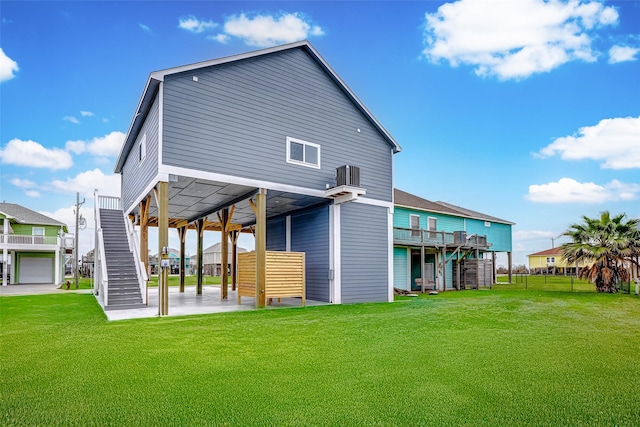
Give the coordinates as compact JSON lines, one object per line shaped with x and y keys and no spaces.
{"x":476,"y":358}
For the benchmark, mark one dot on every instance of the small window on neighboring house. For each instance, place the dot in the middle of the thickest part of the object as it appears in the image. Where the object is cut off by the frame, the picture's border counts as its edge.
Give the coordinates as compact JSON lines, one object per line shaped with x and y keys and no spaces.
{"x":487,"y":223}
{"x":551,"y":260}
{"x":433,"y":226}
{"x":415,"y":225}
{"x":303,"y":153}
{"x":142,"y":150}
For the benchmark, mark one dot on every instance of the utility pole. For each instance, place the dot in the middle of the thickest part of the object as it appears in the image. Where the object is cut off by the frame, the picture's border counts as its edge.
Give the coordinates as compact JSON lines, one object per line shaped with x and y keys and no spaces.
{"x":75,"y":252}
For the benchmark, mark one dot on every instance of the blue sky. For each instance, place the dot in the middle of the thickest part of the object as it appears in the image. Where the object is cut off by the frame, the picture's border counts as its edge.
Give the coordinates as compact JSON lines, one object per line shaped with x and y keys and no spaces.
{"x":525,"y":110}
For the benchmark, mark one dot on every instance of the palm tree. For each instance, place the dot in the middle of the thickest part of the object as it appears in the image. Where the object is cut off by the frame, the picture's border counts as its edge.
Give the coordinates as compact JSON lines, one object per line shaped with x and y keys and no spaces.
{"x":606,"y":246}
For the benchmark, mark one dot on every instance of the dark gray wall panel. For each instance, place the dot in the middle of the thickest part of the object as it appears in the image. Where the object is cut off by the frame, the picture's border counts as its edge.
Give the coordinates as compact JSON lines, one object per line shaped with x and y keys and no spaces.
{"x":310,"y":234}
{"x":365,"y":248}
{"x":136,"y":176}
{"x":276,"y":235}
{"x":235,"y":119}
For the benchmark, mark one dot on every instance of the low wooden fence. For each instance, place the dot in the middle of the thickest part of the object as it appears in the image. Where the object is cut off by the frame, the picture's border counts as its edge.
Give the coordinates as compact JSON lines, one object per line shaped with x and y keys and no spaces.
{"x":285,"y":275}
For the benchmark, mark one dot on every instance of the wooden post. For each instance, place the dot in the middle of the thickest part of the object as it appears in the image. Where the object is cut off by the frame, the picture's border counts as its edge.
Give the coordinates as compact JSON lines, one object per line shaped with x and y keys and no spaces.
{"x":444,"y":268}
{"x":182,"y":234}
{"x":477,"y":255}
{"x":144,"y":232}
{"x":162,"y":199}
{"x":233,"y":235}
{"x":224,"y":254}
{"x":422,"y":278}
{"x":493,"y":262}
{"x":261,"y":247}
{"x":509,"y":265}
{"x":200,"y":230}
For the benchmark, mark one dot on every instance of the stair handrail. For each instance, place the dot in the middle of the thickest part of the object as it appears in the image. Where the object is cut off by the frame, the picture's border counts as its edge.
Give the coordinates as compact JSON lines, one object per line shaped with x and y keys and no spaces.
{"x":134,"y":246}
{"x":104,"y":277}
{"x":101,"y":278}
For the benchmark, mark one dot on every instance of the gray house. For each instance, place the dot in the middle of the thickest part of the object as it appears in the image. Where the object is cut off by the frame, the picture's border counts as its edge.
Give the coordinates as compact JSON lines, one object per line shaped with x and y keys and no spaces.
{"x":271,"y":142}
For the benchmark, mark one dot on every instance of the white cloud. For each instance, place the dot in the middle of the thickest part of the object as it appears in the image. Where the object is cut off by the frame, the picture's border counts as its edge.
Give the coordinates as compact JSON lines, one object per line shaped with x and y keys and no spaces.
{"x":76,"y":147}
{"x":71,"y":119}
{"x":615,"y":142}
{"x":108,"y":145}
{"x":514,"y":39}
{"x":267,"y":30}
{"x":33,"y":154}
{"x":8,"y":67}
{"x":221,"y":38}
{"x":86,"y":114}
{"x":568,"y":190}
{"x":194,"y":25}
{"x":32,"y":193}
{"x":144,"y":28}
{"x":23,"y":183}
{"x":622,"y":54}
{"x":86,"y":182}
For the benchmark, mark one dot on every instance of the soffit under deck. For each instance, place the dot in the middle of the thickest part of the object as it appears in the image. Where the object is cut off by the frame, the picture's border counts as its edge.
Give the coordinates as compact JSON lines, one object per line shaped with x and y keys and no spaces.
{"x":193,"y":198}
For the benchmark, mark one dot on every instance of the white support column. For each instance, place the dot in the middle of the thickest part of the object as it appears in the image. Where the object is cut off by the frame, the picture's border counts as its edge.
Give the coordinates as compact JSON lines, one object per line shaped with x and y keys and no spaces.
{"x":390,"y":251}
{"x":56,"y":268}
{"x":335,"y":255}
{"x":5,"y":237}
{"x":287,"y":233}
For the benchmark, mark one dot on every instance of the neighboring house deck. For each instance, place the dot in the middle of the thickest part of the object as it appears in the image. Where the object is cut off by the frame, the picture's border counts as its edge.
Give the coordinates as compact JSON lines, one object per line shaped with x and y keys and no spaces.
{"x":443,"y":246}
{"x":273,"y":143}
{"x":33,"y":246}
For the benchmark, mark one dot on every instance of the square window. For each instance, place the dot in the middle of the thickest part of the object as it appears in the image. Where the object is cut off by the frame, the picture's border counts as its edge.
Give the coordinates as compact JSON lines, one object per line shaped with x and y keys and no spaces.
{"x":297,"y":152}
{"x":303,"y":153}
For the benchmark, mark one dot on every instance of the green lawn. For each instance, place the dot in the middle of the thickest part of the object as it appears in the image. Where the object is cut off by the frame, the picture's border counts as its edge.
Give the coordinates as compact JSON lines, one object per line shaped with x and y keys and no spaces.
{"x":476,"y":358}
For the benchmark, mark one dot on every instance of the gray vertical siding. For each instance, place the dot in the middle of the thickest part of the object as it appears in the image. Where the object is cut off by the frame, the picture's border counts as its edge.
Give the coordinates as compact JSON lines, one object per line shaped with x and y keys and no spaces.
{"x":310,"y":234}
{"x":137,"y":176}
{"x":365,"y":249}
{"x":235,"y":119}
{"x":276,"y":235}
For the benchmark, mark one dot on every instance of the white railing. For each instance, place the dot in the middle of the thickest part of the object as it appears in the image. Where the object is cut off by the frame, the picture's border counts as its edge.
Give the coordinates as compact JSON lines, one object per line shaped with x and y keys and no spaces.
{"x":134,"y":245}
{"x":108,"y":202}
{"x":100,"y":276}
{"x":17,"y":239}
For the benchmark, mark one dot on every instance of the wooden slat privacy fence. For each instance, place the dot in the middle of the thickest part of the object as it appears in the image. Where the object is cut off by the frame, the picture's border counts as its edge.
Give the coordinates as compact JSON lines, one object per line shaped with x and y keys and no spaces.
{"x":285,"y":276}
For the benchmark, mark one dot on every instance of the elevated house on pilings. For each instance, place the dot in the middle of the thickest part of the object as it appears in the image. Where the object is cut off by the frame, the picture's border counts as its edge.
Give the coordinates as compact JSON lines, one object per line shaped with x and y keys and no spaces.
{"x":270,"y":142}
{"x":439,"y":246}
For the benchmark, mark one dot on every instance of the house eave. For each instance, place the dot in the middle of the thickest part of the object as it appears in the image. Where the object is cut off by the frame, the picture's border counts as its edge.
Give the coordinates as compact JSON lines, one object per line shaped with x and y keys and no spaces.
{"x":156,"y":77}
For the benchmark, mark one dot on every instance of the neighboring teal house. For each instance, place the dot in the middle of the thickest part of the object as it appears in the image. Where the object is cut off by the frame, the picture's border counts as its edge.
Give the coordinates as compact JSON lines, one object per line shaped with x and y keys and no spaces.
{"x":429,"y":235}
{"x":33,"y":246}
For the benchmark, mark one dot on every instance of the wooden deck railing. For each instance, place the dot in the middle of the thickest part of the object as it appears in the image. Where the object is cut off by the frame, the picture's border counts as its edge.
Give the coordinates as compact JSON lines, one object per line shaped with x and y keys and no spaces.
{"x":420,"y":237}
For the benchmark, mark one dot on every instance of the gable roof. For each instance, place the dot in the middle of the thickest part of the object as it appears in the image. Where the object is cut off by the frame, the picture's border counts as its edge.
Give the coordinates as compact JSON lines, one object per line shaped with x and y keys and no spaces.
{"x":553,"y":251}
{"x":155,"y":78}
{"x":21,"y":215}
{"x":215,"y":248}
{"x":407,"y":200}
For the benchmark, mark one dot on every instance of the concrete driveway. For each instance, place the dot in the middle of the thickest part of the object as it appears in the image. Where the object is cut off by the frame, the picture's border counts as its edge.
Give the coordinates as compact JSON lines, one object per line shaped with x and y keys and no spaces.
{"x":44,"y":288}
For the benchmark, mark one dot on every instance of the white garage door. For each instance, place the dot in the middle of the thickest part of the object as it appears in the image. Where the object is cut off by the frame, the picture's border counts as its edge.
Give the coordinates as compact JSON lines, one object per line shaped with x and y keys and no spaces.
{"x":36,"y":270}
